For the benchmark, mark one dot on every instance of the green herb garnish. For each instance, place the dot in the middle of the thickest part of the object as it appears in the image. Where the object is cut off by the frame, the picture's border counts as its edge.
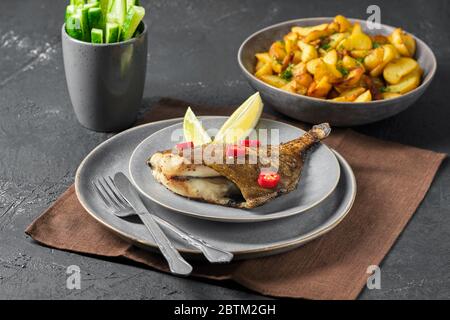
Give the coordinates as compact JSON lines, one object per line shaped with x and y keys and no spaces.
{"x":342,"y":70}
{"x":376,"y":45}
{"x":383,"y":89}
{"x":360,"y":60}
{"x":325,"y":46}
{"x":287,"y":74}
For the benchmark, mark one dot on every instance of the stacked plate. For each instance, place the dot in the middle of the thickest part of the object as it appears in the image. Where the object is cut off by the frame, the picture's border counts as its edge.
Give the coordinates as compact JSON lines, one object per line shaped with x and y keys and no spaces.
{"x":323,"y":197}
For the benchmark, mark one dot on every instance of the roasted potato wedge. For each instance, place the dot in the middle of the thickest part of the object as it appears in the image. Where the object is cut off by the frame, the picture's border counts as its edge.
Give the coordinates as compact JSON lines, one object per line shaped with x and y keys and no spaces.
{"x":343,"y":23}
{"x":276,"y":66}
{"x":319,"y":69}
{"x":390,"y":95}
{"x":299,"y":68}
{"x":289,"y":87}
{"x":277,"y":51}
{"x":364,"y":97}
{"x":266,"y":69}
{"x":304,"y":80}
{"x":304,"y":31}
{"x":350,"y":95}
{"x":331,"y":57}
{"x":319,"y":89}
{"x":296,"y":57}
{"x":352,"y":79}
{"x":311,"y":66}
{"x":359,"y":53}
{"x":336,"y":39}
{"x":350,"y":63}
{"x":274,"y":80}
{"x":389,"y":54}
{"x":259,"y":65}
{"x":407,"y":83}
{"x":309,"y":52}
{"x":358,"y":40}
{"x":374,"y":59}
{"x":397,"y":69}
{"x":404,"y":43}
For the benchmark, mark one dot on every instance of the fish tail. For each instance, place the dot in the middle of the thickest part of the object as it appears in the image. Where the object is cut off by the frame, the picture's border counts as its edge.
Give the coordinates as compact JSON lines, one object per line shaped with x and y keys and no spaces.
{"x":320,"y":131}
{"x":310,"y":138}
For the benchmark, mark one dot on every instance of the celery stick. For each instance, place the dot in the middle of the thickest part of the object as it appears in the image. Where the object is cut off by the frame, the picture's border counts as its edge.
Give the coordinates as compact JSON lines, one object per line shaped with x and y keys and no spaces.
{"x":95,"y":18}
{"x":110,"y":5}
{"x":84,"y":12}
{"x":70,"y":10}
{"x":96,"y":35}
{"x":89,"y":5}
{"x":104,"y":7}
{"x":77,"y":2}
{"x":73,"y":26}
{"x":131,"y":3}
{"x":119,"y":10}
{"x":112,"y":32}
{"x":133,"y":18}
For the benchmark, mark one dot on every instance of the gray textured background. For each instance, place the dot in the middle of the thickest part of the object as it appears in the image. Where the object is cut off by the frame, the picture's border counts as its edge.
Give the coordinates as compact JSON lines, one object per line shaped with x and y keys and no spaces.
{"x":192,"y":56}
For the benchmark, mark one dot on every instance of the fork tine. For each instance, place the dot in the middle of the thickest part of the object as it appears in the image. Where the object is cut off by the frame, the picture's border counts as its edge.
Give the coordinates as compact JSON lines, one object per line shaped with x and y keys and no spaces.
{"x":125,"y":201}
{"x":116,"y":204}
{"x":100,"y":193}
{"x":116,"y":193}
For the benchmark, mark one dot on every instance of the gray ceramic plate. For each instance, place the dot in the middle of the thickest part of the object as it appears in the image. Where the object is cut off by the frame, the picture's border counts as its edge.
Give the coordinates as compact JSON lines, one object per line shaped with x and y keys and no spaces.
{"x":315,"y":110}
{"x":245,"y":240}
{"x":320,"y":176}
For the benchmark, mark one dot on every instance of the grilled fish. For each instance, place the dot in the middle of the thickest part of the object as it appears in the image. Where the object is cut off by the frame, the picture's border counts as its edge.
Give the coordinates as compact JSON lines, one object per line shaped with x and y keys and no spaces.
{"x":206,"y":173}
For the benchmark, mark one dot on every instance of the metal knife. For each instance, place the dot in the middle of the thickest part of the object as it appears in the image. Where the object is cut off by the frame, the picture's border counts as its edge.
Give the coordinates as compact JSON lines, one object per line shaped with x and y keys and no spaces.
{"x":176,"y":262}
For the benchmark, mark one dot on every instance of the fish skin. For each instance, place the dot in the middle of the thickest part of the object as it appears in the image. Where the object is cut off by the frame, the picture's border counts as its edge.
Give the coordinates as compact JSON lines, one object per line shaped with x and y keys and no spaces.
{"x":243,"y":176}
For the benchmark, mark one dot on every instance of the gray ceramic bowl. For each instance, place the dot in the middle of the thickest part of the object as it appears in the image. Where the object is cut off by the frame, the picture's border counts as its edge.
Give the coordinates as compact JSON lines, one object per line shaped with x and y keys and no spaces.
{"x":315,"y":110}
{"x":105,"y":81}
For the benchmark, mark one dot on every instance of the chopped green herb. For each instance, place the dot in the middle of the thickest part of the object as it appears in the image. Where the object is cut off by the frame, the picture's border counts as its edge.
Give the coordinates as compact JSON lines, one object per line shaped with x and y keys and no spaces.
{"x":325,"y":46}
{"x":342,"y":70}
{"x":287,"y":74}
{"x":376,"y":45}
{"x":383,"y":89}
{"x":360,"y":60}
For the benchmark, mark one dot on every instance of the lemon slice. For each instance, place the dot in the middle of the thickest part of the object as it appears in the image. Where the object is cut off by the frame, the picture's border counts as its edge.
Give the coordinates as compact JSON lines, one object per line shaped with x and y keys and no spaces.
{"x":242,"y":121}
{"x":193,"y":129}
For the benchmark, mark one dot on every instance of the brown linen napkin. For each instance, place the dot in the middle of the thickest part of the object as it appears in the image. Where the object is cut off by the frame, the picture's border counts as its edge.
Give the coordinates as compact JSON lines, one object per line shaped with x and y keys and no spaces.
{"x":392,"y":180}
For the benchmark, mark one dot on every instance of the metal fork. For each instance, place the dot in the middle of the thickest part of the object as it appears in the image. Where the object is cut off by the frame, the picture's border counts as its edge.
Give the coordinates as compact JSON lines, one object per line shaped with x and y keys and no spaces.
{"x":113,"y":199}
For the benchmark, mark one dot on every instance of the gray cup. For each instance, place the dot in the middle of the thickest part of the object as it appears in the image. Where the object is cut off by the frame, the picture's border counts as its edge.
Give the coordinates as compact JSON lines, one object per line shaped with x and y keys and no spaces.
{"x":105,"y":81}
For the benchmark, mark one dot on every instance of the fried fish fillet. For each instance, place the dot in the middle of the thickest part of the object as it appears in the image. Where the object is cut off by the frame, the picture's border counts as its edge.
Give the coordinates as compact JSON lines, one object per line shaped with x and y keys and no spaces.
{"x":217,"y":180}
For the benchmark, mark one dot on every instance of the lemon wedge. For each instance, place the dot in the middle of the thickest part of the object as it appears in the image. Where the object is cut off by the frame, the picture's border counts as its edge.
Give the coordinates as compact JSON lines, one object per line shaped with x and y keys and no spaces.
{"x":193,"y":129}
{"x":242,"y":121}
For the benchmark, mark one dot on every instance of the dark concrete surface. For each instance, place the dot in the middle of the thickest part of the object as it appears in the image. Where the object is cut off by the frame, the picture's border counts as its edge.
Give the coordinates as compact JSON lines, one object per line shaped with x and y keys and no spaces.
{"x":192,"y":56}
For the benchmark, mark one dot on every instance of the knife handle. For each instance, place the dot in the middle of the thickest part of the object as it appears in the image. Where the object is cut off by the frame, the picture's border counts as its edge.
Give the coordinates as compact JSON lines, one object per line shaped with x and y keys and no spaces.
{"x":177,"y":264}
{"x":212,"y":253}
